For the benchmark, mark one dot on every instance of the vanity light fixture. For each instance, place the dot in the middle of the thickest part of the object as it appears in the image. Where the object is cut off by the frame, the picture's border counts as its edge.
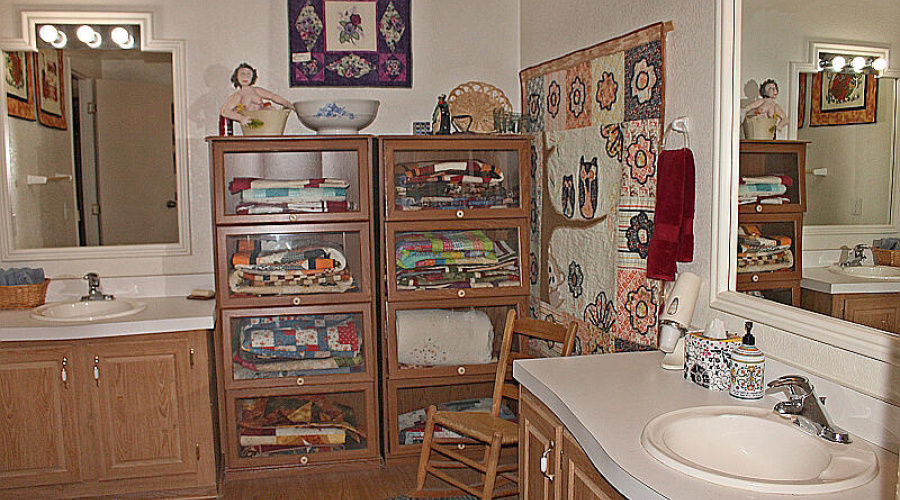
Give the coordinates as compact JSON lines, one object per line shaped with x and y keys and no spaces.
{"x":122,"y":37}
{"x":858,"y":64}
{"x":53,"y":36}
{"x":89,"y":36}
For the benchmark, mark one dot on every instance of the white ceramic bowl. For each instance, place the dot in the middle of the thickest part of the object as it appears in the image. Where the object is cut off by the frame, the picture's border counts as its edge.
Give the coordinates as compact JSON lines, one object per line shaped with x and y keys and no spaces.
{"x":337,"y":116}
{"x":270,"y":121}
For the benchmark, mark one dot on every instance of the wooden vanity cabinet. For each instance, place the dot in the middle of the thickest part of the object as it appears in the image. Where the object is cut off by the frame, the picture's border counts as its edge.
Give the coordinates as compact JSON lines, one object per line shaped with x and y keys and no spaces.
{"x":878,"y":310}
{"x":129,"y":416}
{"x":565,"y":472}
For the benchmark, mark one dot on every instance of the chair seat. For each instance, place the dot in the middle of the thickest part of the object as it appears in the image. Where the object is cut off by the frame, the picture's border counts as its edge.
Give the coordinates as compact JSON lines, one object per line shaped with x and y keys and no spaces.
{"x":478,"y":425}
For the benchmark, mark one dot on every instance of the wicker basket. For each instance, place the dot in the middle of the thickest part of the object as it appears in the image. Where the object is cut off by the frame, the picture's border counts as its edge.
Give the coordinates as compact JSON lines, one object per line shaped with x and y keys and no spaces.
{"x":886,"y":257}
{"x":23,"y":296}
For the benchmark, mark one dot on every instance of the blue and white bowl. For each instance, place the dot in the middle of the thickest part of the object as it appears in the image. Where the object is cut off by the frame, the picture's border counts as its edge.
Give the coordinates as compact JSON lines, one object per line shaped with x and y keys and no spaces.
{"x":337,"y":116}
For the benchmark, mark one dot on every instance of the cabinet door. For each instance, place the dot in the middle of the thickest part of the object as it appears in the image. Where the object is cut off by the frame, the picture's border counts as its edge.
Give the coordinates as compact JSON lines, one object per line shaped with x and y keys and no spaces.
{"x":141,"y":408}
{"x":38,"y":422}
{"x":540,"y":435}
{"x":580,"y":480}
{"x":878,"y":311}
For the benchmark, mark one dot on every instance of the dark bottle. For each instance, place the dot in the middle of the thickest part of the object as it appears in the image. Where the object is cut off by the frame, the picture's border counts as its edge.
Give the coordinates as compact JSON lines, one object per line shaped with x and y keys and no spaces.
{"x":442,"y":116}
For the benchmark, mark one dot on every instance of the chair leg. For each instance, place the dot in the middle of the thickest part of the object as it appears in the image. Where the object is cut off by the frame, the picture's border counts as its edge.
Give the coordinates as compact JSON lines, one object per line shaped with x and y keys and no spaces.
{"x":427,"y":439}
{"x":490,"y":473}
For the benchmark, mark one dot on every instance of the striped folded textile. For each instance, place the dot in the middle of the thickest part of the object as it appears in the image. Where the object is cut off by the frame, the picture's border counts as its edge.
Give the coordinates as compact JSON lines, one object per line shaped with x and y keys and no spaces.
{"x":239,"y":184}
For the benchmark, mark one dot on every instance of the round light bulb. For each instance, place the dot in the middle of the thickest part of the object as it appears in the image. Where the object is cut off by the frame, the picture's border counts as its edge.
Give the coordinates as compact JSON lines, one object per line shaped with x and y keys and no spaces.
{"x":838,"y":63}
{"x":858,"y":63}
{"x":48,"y":33}
{"x":122,"y":37}
{"x":879,"y":64}
{"x":87,"y":35}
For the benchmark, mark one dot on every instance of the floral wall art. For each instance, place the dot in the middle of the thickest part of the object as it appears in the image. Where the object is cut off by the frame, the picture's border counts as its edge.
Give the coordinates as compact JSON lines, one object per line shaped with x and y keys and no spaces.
{"x":19,"y":85}
{"x":596,"y":117}
{"x":359,"y":43}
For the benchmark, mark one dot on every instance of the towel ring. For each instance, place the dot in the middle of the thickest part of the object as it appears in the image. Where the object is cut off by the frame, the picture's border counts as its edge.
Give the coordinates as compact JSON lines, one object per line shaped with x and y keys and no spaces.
{"x":679,"y":125}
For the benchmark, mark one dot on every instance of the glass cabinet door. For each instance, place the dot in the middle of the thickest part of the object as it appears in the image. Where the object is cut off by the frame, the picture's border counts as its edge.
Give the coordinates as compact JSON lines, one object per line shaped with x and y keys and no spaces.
{"x":446,"y":178}
{"x":294,"y":265}
{"x":297,"y":346}
{"x":768,"y":249}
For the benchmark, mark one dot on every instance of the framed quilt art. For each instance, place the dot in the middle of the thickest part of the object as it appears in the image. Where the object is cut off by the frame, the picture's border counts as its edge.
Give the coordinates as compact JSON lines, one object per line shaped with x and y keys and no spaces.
{"x":19,"y":85}
{"x":356,"y":43}
{"x":51,"y":99}
{"x":842,"y":99}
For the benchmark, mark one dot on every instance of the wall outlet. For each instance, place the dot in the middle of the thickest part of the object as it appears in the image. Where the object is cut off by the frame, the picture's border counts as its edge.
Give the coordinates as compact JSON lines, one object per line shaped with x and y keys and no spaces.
{"x":857,"y":206}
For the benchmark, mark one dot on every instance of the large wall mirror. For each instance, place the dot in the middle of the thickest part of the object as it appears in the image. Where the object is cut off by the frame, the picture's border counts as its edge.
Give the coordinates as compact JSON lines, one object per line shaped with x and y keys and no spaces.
{"x":782,"y":32}
{"x":95,"y":156}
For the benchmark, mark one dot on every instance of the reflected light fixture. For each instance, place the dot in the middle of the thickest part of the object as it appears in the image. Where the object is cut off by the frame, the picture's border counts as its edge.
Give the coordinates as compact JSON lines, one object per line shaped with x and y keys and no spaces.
{"x":53,"y":36}
{"x":858,"y":63}
{"x":89,"y":36}
{"x":122,"y":37}
{"x":837,"y":64}
{"x":867,"y":64}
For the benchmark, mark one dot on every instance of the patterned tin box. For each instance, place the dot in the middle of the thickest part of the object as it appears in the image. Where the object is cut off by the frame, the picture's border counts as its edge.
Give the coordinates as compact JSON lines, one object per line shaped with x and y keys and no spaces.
{"x":707,"y":362}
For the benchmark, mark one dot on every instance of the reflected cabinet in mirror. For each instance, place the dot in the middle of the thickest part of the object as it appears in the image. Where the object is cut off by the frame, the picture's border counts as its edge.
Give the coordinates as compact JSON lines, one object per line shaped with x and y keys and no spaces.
{"x":94,"y":141}
{"x":807,"y":165}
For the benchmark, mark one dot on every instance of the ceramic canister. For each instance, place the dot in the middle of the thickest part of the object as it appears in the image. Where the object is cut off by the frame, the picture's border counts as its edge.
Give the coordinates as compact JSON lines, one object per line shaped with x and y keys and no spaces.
{"x":748,"y":366}
{"x":707,"y":362}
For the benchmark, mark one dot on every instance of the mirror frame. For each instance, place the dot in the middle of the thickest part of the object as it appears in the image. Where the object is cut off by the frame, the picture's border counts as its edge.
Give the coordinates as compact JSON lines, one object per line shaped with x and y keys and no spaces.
{"x":858,"y":339}
{"x":148,"y":43}
{"x":816,"y":237}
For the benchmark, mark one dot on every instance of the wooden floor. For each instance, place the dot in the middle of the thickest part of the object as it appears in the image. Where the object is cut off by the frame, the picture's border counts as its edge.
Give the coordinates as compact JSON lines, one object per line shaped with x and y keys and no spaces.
{"x":365,"y":484}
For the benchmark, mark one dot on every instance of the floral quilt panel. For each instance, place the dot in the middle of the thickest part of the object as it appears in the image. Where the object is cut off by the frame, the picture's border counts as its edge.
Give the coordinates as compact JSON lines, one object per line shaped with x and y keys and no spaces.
{"x":358,"y":43}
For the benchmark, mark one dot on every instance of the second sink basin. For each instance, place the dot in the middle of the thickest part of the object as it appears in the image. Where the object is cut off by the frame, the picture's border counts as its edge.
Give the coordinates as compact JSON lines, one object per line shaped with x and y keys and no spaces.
{"x":87,"y":311}
{"x":871,"y":272}
{"x":756,"y":449}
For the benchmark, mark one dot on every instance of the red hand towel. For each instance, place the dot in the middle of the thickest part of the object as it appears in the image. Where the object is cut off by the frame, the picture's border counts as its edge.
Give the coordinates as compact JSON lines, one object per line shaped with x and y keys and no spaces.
{"x":673,"y":225}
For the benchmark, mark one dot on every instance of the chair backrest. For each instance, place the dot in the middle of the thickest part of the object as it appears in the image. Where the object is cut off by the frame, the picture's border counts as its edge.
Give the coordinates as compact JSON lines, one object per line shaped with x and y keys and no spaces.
{"x":525,"y":329}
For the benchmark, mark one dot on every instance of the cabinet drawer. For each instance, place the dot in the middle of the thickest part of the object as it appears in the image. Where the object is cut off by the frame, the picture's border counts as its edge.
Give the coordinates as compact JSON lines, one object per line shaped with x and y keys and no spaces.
{"x":299,"y":427}
{"x":298,"y":346}
{"x":293,"y":265}
{"x":271,"y":180}
{"x":449,"y":178}
{"x":778,"y":257}
{"x":439,"y":338}
{"x":434,"y":260}
{"x":408,"y":400}
{"x":760,"y":163}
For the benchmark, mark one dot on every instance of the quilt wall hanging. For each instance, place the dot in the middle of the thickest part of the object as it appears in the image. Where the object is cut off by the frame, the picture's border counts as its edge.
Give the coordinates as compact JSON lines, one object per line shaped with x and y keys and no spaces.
{"x":357,"y":43}
{"x":596,"y":117}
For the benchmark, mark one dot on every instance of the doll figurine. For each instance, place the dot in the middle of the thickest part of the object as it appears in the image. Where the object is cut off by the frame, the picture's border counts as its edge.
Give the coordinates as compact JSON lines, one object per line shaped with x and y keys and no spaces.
{"x":248,"y":96}
{"x":766,"y":106}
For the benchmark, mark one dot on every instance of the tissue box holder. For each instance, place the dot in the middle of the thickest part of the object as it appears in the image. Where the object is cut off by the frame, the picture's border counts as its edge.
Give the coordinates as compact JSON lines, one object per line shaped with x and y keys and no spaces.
{"x":707,"y":362}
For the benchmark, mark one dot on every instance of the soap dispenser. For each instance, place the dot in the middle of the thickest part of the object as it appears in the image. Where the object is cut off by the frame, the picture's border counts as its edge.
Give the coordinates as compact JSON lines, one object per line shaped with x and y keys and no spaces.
{"x":748,"y":366}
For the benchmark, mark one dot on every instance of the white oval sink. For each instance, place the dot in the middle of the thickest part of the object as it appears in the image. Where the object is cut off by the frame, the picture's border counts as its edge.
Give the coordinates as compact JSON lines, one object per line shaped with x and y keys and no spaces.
{"x":871,"y":272}
{"x":755,"y":449}
{"x":88,"y":310}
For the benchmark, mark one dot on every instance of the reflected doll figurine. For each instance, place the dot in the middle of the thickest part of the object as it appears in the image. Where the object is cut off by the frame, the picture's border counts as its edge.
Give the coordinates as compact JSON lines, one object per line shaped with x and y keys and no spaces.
{"x":766,"y":106}
{"x":248,"y":96}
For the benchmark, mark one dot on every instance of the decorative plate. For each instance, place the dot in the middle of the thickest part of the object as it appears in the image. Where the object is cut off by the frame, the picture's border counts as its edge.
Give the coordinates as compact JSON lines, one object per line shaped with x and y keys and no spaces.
{"x":478,"y":100}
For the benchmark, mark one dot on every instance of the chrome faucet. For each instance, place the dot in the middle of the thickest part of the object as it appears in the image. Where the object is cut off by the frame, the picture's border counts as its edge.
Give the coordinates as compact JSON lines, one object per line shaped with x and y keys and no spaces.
{"x":859,"y":255}
{"x":94,"y":292}
{"x":805,"y":406}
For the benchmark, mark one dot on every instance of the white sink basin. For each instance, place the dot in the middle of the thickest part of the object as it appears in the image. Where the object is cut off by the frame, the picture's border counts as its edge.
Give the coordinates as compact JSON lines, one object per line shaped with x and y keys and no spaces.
{"x":755,"y":449}
{"x":871,"y":272}
{"x":88,"y":310}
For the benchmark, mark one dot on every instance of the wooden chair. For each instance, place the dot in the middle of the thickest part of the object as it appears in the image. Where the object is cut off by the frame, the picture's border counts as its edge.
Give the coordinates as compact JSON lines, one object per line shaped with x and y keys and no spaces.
{"x":486,"y":429}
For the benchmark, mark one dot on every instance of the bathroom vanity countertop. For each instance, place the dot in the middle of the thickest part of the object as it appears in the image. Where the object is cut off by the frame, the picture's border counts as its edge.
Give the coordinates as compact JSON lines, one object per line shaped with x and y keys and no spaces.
{"x":606,"y":400}
{"x":163,"y":314}
{"x":822,"y":280}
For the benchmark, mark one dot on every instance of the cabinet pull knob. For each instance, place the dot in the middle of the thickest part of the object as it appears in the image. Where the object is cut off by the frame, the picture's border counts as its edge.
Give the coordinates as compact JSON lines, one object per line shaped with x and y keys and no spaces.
{"x":300,"y":381}
{"x":545,"y":462}
{"x":64,"y":373}
{"x":97,"y":370}
{"x":296,"y":301}
{"x":461,"y":293}
{"x":461,"y":370}
{"x":759,"y":208}
{"x":460,"y":214}
{"x":755,"y":278}
{"x":292,"y":217}
{"x":304,"y":460}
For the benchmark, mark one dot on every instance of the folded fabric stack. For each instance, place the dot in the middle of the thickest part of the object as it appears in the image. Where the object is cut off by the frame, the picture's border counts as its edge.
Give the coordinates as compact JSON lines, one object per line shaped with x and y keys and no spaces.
{"x":758,"y":253}
{"x":767,"y":190}
{"x":412,"y":424}
{"x":454,"y":259}
{"x":285,"y":196}
{"x":292,"y":346}
{"x":275,"y":267}
{"x":295,"y":424}
{"x":452,"y":185}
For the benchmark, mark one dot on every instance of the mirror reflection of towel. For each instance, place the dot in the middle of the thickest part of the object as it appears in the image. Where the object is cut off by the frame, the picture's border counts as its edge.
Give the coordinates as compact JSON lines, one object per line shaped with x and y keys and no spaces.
{"x":673,"y":229}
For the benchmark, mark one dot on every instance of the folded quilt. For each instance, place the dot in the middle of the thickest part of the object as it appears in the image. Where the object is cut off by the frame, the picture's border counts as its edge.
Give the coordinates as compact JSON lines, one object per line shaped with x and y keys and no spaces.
{"x":302,"y":337}
{"x":277,"y":195}
{"x":243,"y":282}
{"x":761,"y":189}
{"x":441,"y":241}
{"x":469,"y":167}
{"x":239,"y":184}
{"x":769,"y":179}
{"x":252,"y":208}
{"x":310,"y":257}
{"x":776,"y":262}
{"x":452,"y":185}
